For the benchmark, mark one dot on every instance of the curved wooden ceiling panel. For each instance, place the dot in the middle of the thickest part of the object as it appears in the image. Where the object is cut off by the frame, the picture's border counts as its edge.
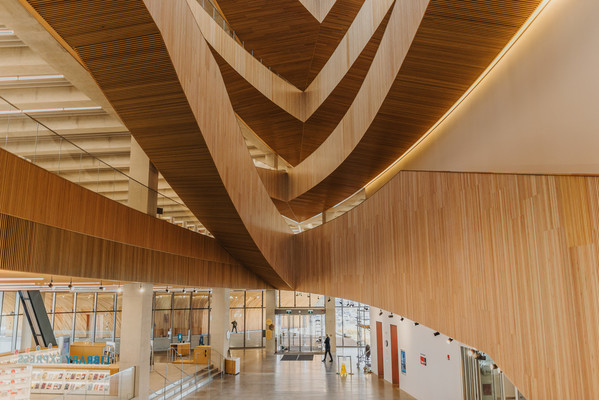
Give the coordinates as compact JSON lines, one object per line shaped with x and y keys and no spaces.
{"x":289,"y":137}
{"x":287,"y":36}
{"x":123,"y":48}
{"x":454,"y":44}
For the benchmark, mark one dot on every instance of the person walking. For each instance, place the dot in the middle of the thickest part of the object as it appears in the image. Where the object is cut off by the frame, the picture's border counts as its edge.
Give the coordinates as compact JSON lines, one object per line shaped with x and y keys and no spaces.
{"x":327,"y":349}
{"x":234,"y":329}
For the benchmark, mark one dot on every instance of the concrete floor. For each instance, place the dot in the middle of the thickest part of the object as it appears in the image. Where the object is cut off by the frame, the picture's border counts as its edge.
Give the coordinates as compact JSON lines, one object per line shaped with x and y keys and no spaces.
{"x":265,"y":377}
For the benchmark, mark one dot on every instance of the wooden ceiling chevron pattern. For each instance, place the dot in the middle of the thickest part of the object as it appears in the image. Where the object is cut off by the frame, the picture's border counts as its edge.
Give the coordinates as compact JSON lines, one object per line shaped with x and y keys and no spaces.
{"x":286,"y":36}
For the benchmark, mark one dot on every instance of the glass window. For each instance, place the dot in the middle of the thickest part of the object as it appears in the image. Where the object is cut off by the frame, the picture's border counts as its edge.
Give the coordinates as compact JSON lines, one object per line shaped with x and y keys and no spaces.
{"x":201,"y":300}
{"x":302,"y":299}
{"x":6,"y":333}
{"x":48,"y":299}
{"x":8,"y":303}
{"x":104,"y":325}
{"x":253,"y":298}
{"x":236,"y":299}
{"x":63,"y":323}
{"x":287,"y":298}
{"x":181,"y":300}
{"x":117,"y":327}
{"x":199,"y":322}
{"x":317,"y":300}
{"x":64,"y":302}
{"x":83,"y":326}
{"x":162,"y":323}
{"x":119,"y":302}
{"x":163,"y":301}
{"x":85,"y":302}
{"x":180,"y":322}
{"x":105,"y":302}
{"x":237,"y":316}
{"x":253,"y":320}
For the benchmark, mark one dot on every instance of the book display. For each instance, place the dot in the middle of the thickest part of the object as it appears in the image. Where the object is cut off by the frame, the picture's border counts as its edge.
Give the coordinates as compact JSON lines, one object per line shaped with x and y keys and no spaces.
{"x":93,"y":381}
{"x":15,"y":381}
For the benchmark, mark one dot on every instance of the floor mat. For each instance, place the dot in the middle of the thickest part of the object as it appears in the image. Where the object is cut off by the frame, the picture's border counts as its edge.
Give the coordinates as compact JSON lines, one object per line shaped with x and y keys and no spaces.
{"x":288,"y":357}
{"x":305,"y":357}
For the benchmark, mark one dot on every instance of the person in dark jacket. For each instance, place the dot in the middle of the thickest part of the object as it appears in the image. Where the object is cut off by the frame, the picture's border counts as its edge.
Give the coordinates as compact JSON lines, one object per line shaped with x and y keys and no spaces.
{"x":327,"y":349}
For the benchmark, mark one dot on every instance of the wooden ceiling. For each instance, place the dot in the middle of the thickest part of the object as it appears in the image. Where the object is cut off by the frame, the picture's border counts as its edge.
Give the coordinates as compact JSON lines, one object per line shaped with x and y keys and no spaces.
{"x":125,"y":53}
{"x":288,"y":136}
{"x":454,"y":44}
{"x":286,"y":36}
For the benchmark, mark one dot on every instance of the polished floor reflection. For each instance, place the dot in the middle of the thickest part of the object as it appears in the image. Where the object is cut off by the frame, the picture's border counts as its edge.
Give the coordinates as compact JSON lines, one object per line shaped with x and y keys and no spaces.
{"x":266,"y":377}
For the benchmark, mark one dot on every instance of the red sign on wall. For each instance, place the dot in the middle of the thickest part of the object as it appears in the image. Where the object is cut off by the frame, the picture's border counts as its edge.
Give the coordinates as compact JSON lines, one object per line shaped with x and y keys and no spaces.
{"x":423,"y":359}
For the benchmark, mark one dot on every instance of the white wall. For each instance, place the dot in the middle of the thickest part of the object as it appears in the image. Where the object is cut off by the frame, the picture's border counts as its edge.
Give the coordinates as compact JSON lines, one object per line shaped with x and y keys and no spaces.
{"x":536,"y":112}
{"x":439,"y":379}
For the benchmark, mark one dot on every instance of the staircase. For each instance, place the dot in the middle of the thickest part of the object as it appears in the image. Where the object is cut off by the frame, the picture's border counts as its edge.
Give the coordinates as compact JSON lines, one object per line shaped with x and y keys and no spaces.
{"x":188,"y":384}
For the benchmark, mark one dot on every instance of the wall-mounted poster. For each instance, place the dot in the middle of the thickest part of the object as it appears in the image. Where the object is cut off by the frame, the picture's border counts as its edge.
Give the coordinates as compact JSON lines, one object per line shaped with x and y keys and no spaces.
{"x":403,"y":362}
{"x":423,"y":359}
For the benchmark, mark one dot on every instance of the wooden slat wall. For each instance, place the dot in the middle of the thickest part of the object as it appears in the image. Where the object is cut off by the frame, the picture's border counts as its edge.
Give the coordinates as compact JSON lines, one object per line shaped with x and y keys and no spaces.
{"x":191,"y":134}
{"x":504,"y":263}
{"x":27,"y":246}
{"x":32,"y":193}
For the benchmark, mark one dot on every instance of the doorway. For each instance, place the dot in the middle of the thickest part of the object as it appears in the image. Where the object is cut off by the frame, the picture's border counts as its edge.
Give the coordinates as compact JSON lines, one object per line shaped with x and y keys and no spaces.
{"x":379,"y":350}
{"x":394,"y":356}
{"x":300,"y":333}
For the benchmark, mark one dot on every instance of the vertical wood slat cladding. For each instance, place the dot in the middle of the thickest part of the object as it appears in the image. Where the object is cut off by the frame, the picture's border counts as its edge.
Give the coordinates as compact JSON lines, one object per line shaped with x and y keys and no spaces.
{"x":504,"y":263}
{"x":28,"y":246}
{"x":195,"y":142}
{"x":287,"y":36}
{"x":32,"y":193}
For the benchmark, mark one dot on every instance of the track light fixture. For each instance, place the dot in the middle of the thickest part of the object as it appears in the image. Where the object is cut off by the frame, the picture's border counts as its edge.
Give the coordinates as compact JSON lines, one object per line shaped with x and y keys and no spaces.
{"x":416,"y":323}
{"x":449,"y":340}
{"x":494,"y":366}
{"x":141,"y":288}
{"x":51,"y":284}
{"x":401,"y":318}
{"x":391,"y":315}
{"x":167,"y":289}
{"x":436,"y":334}
{"x":102,"y":288}
{"x":329,"y":300}
{"x":380,"y":313}
{"x":194,"y":290}
{"x":70,"y":286}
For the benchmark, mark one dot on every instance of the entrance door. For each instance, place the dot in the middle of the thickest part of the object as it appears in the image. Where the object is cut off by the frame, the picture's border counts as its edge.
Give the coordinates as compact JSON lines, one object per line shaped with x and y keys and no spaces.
{"x":300,"y":333}
{"x":394,"y":356}
{"x":379,"y":349}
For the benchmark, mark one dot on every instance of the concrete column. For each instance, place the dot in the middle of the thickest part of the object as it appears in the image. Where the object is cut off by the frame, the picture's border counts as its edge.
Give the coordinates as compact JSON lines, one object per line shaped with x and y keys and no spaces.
{"x":269,"y":310}
{"x":142,"y":170}
{"x":330,"y":322}
{"x":219,"y":321}
{"x":136,"y":332}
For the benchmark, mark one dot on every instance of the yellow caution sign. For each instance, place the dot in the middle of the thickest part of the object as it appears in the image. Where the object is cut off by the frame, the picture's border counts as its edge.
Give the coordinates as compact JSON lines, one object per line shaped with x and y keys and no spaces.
{"x":343,"y":370}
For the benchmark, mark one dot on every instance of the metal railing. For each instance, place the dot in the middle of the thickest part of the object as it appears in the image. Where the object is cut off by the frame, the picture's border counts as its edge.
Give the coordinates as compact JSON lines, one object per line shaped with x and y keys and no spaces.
{"x":181,"y":376}
{"x":30,"y":139}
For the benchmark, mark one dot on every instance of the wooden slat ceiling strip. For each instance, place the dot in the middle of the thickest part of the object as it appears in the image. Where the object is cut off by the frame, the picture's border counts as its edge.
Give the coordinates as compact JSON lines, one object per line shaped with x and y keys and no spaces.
{"x":287,"y":37}
{"x":123,"y":49}
{"x":503,"y":263}
{"x":454,"y":44}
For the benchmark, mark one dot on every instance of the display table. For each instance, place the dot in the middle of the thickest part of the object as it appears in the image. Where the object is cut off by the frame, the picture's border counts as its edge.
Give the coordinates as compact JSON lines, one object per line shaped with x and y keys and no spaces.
{"x":182,"y":348}
{"x":59,"y":378}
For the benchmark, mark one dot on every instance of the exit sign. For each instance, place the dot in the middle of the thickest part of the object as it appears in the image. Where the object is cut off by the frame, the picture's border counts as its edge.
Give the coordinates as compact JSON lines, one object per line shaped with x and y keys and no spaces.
{"x":287,"y":311}
{"x":310,"y":311}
